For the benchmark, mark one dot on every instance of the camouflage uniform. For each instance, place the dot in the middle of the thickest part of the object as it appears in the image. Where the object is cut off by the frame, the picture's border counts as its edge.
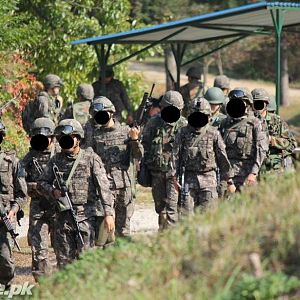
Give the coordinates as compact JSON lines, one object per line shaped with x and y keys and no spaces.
{"x":223,"y":82}
{"x":158,"y":140}
{"x":13,"y":196}
{"x":202,"y":151}
{"x":88,"y":190}
{"x":117,"y":152}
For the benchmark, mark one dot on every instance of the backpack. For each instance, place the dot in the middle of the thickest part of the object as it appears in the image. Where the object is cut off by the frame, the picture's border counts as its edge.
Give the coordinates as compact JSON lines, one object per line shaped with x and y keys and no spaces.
{"x":81,"y":112}
{"x":29,"y":115}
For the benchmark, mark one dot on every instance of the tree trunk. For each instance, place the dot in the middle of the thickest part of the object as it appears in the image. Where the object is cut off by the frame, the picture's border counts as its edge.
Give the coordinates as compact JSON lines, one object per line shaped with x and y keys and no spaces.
{"x":220,"y":63}
{"x":206,"y":63}
{"x":284,"y":81}
{"x":170,"y":68}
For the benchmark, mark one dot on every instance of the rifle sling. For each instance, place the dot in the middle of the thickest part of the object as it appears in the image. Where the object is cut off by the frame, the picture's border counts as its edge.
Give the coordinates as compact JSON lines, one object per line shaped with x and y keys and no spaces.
{"x":74,"y":167}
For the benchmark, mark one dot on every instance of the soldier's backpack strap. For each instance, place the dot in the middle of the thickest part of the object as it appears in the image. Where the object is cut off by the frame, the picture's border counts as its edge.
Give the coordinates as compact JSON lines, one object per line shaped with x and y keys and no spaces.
{"x":2,"y":154}
{"x":74,"y":167}
{"x":200,"y":136}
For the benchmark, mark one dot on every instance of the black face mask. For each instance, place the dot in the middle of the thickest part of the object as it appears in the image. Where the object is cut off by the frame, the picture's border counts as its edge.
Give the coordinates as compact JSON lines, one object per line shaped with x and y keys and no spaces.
{"x":66,"y":142}
{"x":170,"y":114}
{"x":259,"y":105}
{"x":101,"y":117}
{"x":197,"y":119}
{"x":236,"y":108}
{"x":39,"y":142}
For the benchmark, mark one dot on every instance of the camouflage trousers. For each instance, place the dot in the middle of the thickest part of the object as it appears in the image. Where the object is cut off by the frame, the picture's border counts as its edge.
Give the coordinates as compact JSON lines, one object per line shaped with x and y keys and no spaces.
{"x":67,"y":246}
{"x":124,"y":208}
{"x":7,"y":265}
{"x":202,"y":193}
{"x":165,"y":199}
{"x":41,"y":224}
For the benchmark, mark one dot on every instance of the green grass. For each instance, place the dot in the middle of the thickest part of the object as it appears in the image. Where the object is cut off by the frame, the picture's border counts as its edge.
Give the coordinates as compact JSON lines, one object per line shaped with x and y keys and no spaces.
{"x":205,"y":257}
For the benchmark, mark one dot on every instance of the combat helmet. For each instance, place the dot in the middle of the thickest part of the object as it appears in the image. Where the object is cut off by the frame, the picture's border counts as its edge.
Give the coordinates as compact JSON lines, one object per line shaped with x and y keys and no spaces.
{"x":102,"y":103}
{"x":272,"y":106}
{"x":260,"y":94}
{"x":194,"y":72}
{"x":172,"y":98}
{"x":201,"y":105}
{"x":222,"y":82}
{"x":86,"y":91}
{"x":69,"y":127}
{"x":215,"y":95}
{"x":51,"y":81}
{"x":241,"y":93}
{"x":43,"y":126}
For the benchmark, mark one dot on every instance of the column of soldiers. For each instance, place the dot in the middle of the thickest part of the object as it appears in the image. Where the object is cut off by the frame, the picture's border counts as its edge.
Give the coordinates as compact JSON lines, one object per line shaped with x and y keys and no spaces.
{"x":80,"y":175}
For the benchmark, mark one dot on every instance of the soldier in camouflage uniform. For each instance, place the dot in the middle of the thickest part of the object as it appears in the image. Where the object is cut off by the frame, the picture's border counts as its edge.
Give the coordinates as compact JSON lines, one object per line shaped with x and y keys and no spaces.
{"x":192,"y":89}
{"x":117,"y":145}
{"x":281,"y":140}
{"x":88,"y":188}
{"x":49,"y":101}
{"x":116,"y":92}
{"x":80,"y":109}
{"x":216,"y":99}
{"x":13,"y":196}
{"x":200,"y":148}
{"x":246,"y":142}
{"x":158,"y":140}
{"x":42,"y":211}
{"x":223,"y":82}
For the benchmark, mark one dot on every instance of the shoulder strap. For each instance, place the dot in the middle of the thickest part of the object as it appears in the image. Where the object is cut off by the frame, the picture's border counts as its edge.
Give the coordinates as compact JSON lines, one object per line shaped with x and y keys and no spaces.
{"x":200,"y":136}
{"x":74,"y":167}
{"x":2,"y":154}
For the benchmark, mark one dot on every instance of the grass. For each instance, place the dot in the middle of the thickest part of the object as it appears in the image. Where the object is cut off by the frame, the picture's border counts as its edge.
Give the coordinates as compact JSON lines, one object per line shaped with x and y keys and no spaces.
{"x":205,"y":257}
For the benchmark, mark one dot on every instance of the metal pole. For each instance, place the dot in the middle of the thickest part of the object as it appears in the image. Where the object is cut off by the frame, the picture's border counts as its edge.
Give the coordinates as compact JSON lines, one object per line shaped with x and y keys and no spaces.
{"x":178,"y":54}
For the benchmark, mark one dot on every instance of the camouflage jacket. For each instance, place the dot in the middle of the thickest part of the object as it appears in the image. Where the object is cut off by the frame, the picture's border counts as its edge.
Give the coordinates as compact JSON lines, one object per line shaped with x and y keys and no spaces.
{"x":115,"y":149}
{"x":246,"y":144}
{"x":116,"y":93}
{"x":89,"y":186}
{"x":48,"y":107}
{"x":201,"y":151}
{"x":185,"y":92}
{"x":13,"y":194}
{"x":78,"y":111}
{"x":158,"y":140}
{"x":216,"y":119}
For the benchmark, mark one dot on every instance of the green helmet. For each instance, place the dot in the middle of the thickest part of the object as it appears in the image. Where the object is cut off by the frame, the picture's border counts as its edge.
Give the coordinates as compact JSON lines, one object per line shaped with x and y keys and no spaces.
{"x":222,"y":82}
{"x":68,"y":127}
{"x":272,"y":106}
{"x":214,"y":95}
{"x":241,"y":93}
{"x":172,"y":98}
{"x":194,"y":72}
{"x":200,"y":104}
{"x":86,"y":91}
{"x":2,"y":129}
{"x":51,"y":81}
{"x":260,"y":94}
{"x":102,"y":103}
{"x":44,"y":126}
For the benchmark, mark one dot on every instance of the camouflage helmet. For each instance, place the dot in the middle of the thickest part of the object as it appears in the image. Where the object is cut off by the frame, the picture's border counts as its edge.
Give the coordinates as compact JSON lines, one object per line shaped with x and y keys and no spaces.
{"x":172,"y":98}
{"x":102,"y":103}
{"x":272,"y":106}
{"x":260,"y":94}
{"x":2,"y":129}
{"x":241,"y":93}
{"x":214,"y":95}
{"x":51,"y":81}
{"x":86,"y":91}
{"x":44,"y":126}
{"x":200,"y":104}
{"x":222,"y":82}
{"x":68,"y":127}
{"x":194,"y":72}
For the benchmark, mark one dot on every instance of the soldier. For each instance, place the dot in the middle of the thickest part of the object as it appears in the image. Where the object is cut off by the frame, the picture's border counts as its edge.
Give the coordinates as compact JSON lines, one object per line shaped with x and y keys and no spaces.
{"x":246,"y":142}
{"x":281,"y":140}
{"x":116,"y":92}
{"x":192,"y":89}
{"x":49,"y":102}
{"x":216,"y":98}
{"x":117,"y":145}
{"x":13,"y":196}
{"x":88,"y":188}
{"x":199,"y":147}
{"x":80,"y":109}
{"x":42,"y":211}
{"x":158,"y":140}
{"x":223,"y":82}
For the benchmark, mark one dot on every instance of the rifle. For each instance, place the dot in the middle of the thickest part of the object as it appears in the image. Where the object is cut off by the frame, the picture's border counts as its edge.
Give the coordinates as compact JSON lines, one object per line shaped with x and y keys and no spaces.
{"x":8,"y":226}
{"x":37,"y":166}
{"x":66,"y":200}
{"x":7,"y":104}
{"x":184,"y":187}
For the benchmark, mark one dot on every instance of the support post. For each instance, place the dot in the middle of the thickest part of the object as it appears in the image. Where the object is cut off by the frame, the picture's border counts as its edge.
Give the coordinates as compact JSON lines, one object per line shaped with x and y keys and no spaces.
{"x":178,"y":52}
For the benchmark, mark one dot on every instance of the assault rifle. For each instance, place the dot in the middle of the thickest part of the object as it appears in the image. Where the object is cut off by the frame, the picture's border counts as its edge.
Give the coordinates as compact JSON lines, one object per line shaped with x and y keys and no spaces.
{"x":8,"y":226}
{"x":65,"y":200}
{"x":9,"y":103}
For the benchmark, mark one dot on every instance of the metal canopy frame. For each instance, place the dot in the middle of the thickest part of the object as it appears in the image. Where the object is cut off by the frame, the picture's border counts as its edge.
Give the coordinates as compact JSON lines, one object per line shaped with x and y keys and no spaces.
{"x":213,"y":26}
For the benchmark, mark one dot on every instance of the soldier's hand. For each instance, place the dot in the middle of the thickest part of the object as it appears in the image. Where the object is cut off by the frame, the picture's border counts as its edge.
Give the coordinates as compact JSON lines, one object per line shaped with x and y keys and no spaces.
{"x":176,"y":184}
{"x":11,"y":215}
{"x":134,"y":133}
{"x":57,"y":194}
{"x":231,"y":188}
{"x":109,"y":223}
{"x":251,"y":179}
{"x":32,"y":185}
